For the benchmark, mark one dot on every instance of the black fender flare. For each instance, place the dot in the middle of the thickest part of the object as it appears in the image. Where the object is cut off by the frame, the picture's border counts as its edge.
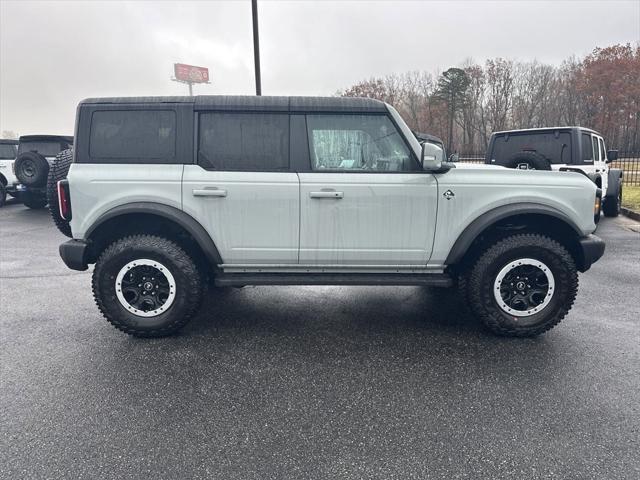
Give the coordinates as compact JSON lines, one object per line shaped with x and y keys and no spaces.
{"x":487,"y":219}
{"x":186,"y":221}
{"x":614,"y":181}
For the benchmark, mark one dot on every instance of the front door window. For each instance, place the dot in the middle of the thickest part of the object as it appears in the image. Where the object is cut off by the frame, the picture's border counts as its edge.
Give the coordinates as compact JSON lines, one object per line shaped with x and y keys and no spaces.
{"x":351,"y":143}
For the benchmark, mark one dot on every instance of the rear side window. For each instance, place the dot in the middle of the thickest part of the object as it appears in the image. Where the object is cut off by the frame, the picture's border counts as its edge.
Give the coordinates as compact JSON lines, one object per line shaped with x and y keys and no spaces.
{"x":596,"y":150}
{"x":135,"y":134}
{"x":587,"y":149}
{"x":244,"y":141}
{"x":8,"y":151}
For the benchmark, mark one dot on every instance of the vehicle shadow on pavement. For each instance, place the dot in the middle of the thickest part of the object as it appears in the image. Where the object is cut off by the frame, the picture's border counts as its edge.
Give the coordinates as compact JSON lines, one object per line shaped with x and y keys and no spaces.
{"x":354,"y":315}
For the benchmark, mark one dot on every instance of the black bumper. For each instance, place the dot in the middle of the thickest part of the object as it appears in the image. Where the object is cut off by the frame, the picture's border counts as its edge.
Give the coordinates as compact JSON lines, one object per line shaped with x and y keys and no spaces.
{"x":591,"y":248}
{"x":74,"y":254}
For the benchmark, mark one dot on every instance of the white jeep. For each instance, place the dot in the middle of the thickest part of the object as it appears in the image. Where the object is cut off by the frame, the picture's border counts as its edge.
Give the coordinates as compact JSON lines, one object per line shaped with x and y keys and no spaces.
{"x":8,"y":180}
{"x":576,"y":149}
{"x":166,"y":193}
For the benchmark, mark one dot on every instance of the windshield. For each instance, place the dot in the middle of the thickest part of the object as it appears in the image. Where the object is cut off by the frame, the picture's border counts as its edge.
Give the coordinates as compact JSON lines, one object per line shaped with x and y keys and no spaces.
{"x":46,"y":149}
{"x":7,"y":152}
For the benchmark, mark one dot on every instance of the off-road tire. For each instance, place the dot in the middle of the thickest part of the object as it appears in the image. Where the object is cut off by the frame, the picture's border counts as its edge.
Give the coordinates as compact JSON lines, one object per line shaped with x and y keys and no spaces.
{"x":35,"y":201}
{"x":612,"y":205}
{"x":58,"y":171}
{"x":3,"y":195}
{"x":480,"y":284}
{"x":32,"y":169}
{"x":534,"y":159}
{"x":189,"y":286}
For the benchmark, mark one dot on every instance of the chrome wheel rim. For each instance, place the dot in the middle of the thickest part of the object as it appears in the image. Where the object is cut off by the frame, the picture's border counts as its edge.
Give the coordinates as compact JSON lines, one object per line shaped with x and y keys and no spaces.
{"x":145,"y":287}
{"x":524,"y":287}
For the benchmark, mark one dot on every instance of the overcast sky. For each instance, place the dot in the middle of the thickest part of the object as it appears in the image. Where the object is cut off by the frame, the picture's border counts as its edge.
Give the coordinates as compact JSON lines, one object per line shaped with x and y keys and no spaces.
{"x":54,"y":53}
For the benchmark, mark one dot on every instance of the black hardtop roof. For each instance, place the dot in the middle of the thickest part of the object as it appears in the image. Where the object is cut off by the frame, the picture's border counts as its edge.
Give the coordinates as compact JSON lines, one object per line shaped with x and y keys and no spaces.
{"x":46,"y":138}
{"x":545,"y":129}
{"x":7,"y":141}
{"x":257,"y":103}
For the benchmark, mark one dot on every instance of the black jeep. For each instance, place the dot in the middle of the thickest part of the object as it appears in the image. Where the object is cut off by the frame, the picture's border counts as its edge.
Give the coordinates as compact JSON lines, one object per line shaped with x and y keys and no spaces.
{"x":35,"y":155}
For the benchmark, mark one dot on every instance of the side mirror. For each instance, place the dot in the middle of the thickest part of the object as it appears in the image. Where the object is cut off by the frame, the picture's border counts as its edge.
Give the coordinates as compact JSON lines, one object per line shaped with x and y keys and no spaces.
{"x":454,"y":157}
{"x":432,"y":156}
{"x":612,"y":155}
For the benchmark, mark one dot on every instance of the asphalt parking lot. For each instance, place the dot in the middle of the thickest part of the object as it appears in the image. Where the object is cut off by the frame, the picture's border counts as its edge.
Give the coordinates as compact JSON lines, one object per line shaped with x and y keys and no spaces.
{"x":308,"y":382}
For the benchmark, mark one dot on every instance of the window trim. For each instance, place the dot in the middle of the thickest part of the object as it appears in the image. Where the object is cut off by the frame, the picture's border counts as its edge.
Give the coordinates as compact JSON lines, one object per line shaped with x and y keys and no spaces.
{"x":196,"y":134}
{"x":416,"y":164}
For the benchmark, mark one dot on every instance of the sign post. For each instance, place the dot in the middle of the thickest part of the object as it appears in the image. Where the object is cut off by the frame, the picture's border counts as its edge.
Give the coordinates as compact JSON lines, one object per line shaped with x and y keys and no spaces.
{"x":256,"y":45}
{"x":190,"y":74}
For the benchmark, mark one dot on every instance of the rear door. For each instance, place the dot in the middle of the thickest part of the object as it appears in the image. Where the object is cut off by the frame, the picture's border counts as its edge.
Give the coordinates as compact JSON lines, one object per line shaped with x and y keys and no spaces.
{"x":241,"y":189}
{"x":364,"y":201}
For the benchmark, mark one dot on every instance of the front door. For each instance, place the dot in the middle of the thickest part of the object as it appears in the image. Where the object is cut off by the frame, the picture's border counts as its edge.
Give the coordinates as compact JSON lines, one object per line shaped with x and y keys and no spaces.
{"x":241,"y":190}
{"x":364,"y":200}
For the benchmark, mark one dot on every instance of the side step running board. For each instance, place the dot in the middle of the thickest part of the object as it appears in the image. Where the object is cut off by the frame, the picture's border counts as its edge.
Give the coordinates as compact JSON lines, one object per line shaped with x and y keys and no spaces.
{"x":242,"y":279}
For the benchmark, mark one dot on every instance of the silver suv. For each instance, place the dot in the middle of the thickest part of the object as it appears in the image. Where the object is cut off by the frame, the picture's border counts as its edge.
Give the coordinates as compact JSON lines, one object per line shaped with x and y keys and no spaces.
{"x":167,"y":194}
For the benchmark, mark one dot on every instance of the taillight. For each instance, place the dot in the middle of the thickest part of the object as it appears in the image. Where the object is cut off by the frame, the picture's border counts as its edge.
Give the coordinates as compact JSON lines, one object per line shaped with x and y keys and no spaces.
{"x":64,"y":200}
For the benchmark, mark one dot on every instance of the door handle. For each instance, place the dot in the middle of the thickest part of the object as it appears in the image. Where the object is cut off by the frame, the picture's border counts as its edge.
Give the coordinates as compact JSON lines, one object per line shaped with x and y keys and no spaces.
{"x":327,"y":194}
{"x":209,"y":192}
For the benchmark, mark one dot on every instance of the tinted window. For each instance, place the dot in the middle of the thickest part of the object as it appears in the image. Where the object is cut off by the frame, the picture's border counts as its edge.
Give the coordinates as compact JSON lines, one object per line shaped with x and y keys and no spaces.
{"x":8,"y":151}
{"x":356,"y":143}
{"x":555,"y":146}
{"x":587,"y":149}
{"x":603,"y":153}
{"x":244,"y":141}
{"x":46,"y":149}
{"x":596,"y":150}
{"x":147,"y":134}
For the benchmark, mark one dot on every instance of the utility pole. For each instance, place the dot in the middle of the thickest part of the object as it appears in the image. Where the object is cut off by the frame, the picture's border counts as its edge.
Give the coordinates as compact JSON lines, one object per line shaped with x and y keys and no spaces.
{"x":256,"y":45}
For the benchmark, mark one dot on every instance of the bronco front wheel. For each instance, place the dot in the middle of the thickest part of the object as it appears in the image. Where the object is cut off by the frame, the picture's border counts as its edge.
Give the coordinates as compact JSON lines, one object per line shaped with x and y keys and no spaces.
{"x":523,"y":285}
{"x":147,"y":286}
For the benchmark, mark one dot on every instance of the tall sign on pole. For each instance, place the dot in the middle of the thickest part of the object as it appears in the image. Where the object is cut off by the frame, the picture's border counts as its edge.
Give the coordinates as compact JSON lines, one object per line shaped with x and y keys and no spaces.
{"x":190,"y":74}
{"x":256,"y":45}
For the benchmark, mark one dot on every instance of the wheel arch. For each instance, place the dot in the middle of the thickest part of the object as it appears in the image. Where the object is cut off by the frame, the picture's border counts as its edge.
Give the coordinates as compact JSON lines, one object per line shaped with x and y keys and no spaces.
{"x":145,"y":217}
{"x":515,"y":218}
{"x":3,"y":180}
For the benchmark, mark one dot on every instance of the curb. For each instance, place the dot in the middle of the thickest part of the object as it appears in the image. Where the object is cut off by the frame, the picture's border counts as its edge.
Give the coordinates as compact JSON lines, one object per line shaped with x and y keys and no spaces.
{"x":630,"y":213}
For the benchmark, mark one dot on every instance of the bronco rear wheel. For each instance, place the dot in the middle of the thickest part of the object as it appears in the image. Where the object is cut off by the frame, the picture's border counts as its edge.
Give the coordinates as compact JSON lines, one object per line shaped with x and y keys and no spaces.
{"x":523,"y":285}
{"x":147,"y":286}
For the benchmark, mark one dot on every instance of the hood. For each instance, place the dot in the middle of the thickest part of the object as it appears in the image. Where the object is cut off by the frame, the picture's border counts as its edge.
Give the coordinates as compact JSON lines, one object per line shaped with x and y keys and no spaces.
{"x":477,"y":166}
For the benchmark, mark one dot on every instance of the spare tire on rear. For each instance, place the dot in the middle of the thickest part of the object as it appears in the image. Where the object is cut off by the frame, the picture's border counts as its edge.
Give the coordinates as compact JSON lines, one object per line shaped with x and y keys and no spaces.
{"x":32,"y":169}
{"x":528,"y":161}
{"x":59,"y":170}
